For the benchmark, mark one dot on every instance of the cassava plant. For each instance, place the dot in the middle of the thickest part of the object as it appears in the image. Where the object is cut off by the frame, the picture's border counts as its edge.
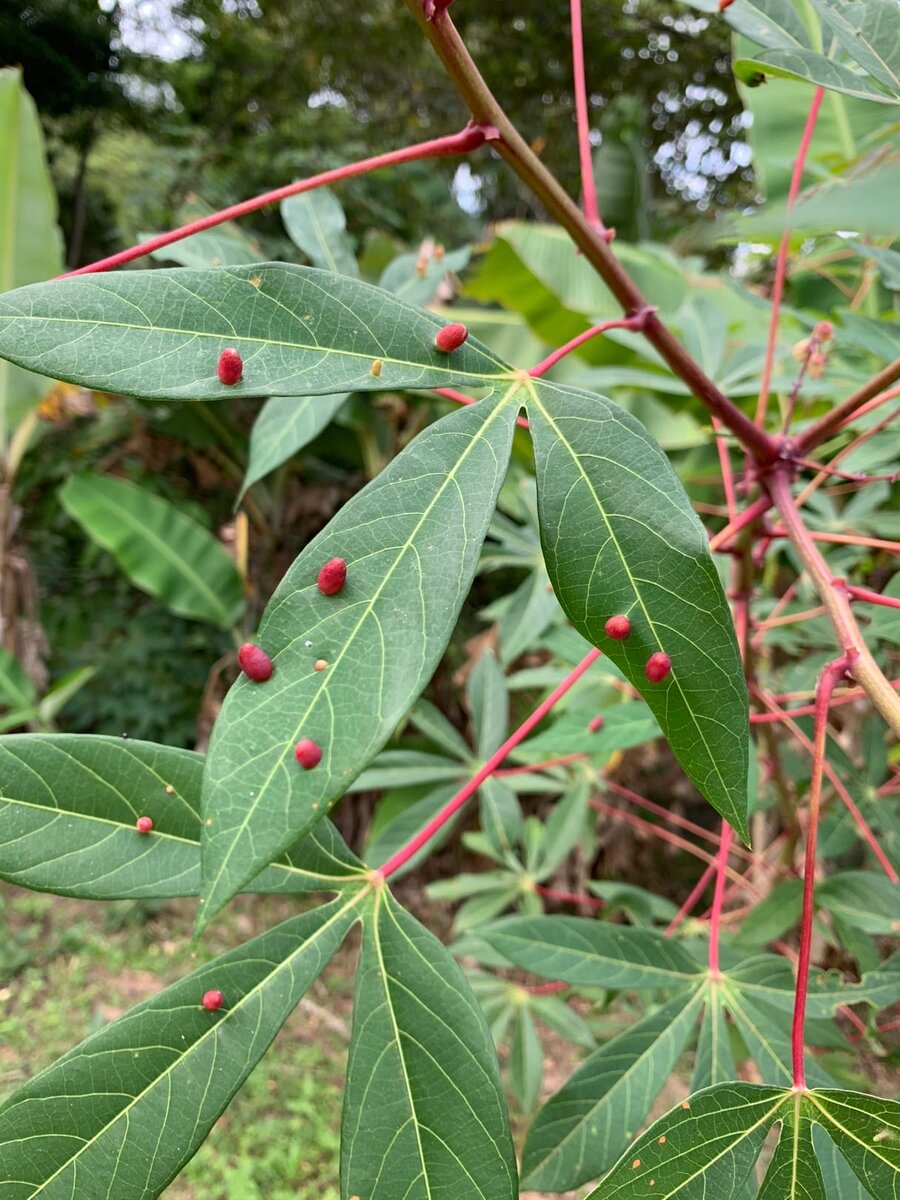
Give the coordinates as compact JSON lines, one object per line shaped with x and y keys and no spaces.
{"x":637,"y":638}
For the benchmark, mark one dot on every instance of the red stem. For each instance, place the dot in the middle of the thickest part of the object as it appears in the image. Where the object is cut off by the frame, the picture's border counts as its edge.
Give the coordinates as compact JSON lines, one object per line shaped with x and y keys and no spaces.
{"x":588,"y":186}
{"x":568,"y":897}
{"x":696,"y":892}
{"x":747,"y":517}
{"x":715,"y":919}
{"x":637,"y":322}
{"x":405,"y":853}
{"x":727,"y":473}
{"x":547,"y":989}
{"x":827,"y":683}
{"x":466,"y":140}
{"x":858,"y":593}
{"x":781,"y":261}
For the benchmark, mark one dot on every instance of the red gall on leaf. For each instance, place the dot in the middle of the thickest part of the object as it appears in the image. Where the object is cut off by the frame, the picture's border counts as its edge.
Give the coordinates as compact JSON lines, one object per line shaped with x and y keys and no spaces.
{"x":658,"y":666}
{"x":212,"y":1001}
{"x":451,"y":337}
{"x":723,"y":4}
{"x":255,"y":663}
{"x":144,"y":824}
{"x":332,"y":577}
{"x":595,"y":724}
{"x":320,"y":664}
{"x":231,"y":367}
{"x":308,"y":754}
{"x":617,"y":628}
{"x":376,"y":366}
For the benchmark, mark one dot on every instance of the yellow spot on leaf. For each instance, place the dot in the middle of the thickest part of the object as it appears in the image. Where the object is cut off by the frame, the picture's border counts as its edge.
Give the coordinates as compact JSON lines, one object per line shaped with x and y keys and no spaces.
{"x":375,"y":368}
{"x":662,"y":1139}
{"x":635,"y":1164}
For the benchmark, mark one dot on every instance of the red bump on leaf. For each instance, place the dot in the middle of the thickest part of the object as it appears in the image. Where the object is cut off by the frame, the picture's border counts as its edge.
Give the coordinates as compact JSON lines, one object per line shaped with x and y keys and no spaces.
{"x":308,"y":754}
{"x":451,"y":337}
{"x":617,"y":628}
{"x":658,"y":666}
{"x":332,"y":577}
{"x":595,"y":724}
{"x":231,"y":367}
{"x":723,"y":4}
{"x":255,"y":663}
{"x":144,"y":824}
{"x":212,"y":1001}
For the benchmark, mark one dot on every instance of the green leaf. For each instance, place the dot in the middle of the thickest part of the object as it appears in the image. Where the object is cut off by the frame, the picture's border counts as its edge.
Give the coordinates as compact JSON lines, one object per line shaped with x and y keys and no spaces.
{"x":424,"y":1113}
{"x":794,"y":1172}
{"x":713,"y":1060}
{"x":856,"y":202}
{"x":770,"y":978}
{"x":488,"y":704}
{"x":806,"y":66}
{"x":866,"y":899}
{"x":160,"y":549}
{"x":866,"y":1130}
{"x":404,"y":278}
{"x":526,"y":1060}
{"x":68,"y":806}
{"x":591,"y":953}
{"x":316,"y":223}
{"x":597,"y":468}
{"x":624,"y":726}
{"x":284,"y":425}
{"x":300,"y":331}
{"x":432,"y":722}
{"x":564,"y":828}
{"x":225,"y":246}
{"x":774,"y":916}
{"x":407,"y":768}
{"x":501,"y":817}
{"x":16,"y":687}
{"x":887,"y":261}
{"x":122,"y":1113}
{"x":411,"y":540}
{"x":703,"y":1148}
{"x":582,"y":1130}
{"x":30,"y":241}
{"x":768,"y":1041}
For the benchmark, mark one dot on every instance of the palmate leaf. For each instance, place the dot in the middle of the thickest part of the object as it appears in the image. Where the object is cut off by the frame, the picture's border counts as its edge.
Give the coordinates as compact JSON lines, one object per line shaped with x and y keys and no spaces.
{"x":300,"y":331}
{"x":866,"y":1130}
{"x":161,"y":549}
{"x":411,"y":540}
{"x":424,"y":1112}
{"x":591,"y":953}
{"x":68,"y":806}
{"x":123,"y":1112}
{"x":704,"y":1148}
{"x":583,"y":1128}
{"x":620,"y":537}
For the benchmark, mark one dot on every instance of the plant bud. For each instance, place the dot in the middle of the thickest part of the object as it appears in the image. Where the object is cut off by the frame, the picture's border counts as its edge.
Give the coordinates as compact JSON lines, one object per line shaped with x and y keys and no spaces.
{"x":617,"y":628}
{"x":658,"y":666}
{"x":231,"y":367}
{"x":332,"y":577}
{"x":308,"y":754}
{"x":255,"y":663}
{"x":451,"y":337}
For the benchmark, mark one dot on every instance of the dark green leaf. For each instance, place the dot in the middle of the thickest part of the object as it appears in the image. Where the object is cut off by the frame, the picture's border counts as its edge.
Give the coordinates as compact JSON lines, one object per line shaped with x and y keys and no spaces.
{"x":794,"y":1172}
{"x":488,"y":703}
{"x":301,"y":332}
{"x":526,"y":1060}
{"x":591,"y":953}
{"x":402,"y":828}
{"x":713,"y":1061}
{"x":424,"y":1113}
{"x":703,"y":1149}
{"x":161,"y":549}
{"x":866,"y":1130}
{"x":582,"y":1130}
{"x":16,"y":687}
{"x":598,"y":469}
{"x":865,"y":899}
{"x":68,"y":806}
{"x":119,"y":1115}
{"x":404,"y":278}
{"x":411,"y":540}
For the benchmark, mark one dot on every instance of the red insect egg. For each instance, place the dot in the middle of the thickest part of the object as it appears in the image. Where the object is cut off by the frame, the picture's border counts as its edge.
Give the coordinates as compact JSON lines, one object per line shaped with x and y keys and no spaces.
{"x":212,"y":1001}
{"x":255,"y":663}
{"x":231,"y":367}
{"x":658,"y":666}
{"x":451,"y":337}
{"x":595,"y":724}
{"x":308,"y":754}
{"x":144,"y":824}
{"x":332,"y":577}
{"x":617,"y":628}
